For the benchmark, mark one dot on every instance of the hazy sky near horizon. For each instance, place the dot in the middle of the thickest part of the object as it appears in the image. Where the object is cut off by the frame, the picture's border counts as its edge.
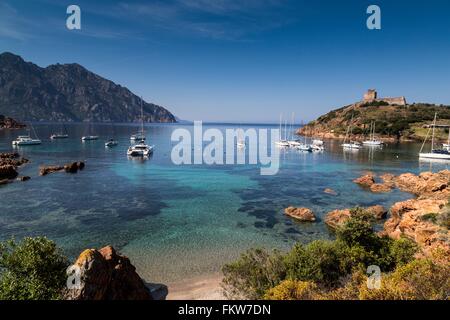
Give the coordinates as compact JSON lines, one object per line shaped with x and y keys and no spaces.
{"x":243,"y":60}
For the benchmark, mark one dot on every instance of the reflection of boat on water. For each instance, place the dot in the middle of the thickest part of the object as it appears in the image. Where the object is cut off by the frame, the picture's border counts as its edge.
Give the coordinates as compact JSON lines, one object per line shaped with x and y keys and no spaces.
{"x":440,"y":154}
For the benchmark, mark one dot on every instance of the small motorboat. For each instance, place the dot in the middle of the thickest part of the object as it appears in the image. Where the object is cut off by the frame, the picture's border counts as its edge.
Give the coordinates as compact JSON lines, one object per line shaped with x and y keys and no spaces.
{"x":59,"y":136}
{"x":111,"y":143}
{"x":305,"y":147}
{"x":352,"y":145}
{"x":137,"y":137}
{"x":241,"y":144}
{"x":89,"y":138}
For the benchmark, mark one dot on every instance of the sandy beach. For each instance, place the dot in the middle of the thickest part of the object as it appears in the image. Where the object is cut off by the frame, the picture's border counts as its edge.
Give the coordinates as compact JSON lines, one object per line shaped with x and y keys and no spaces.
{"x":199,"y":288}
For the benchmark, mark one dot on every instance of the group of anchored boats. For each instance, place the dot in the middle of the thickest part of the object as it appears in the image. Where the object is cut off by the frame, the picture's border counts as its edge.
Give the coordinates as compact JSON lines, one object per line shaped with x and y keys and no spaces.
{"x":355,"y":145}
{"x":316,"y":145}
{"x":138,"y":147}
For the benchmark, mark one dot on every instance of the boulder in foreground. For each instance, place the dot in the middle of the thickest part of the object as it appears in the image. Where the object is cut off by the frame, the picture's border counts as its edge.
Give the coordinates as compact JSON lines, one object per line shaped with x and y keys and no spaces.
{"x":106,"y":275}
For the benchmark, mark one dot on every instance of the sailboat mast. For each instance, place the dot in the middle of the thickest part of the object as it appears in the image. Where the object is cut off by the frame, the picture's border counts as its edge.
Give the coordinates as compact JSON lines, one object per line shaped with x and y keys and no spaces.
{"x":432,"y":137}
{"x":285,"y":129}
{"x":279,"y":131}
{"x":142,"y":118}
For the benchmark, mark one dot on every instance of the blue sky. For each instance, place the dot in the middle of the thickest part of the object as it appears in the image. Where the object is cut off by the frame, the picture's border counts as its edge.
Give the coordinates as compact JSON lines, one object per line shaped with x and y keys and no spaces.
{"x":243,"y":60}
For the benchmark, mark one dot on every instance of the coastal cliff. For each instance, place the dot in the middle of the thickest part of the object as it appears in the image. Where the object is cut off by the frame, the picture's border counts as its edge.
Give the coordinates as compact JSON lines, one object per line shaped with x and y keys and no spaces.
{"x":394,"y":119}
{"x":68,"y":92}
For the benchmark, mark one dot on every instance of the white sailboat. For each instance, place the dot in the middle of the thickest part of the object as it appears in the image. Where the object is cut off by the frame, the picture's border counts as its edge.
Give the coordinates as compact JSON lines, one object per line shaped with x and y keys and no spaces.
{"x":440,"y":154}
{"x":352,"y":145}
{"x":27,"y":140}
{"x":61,"y":135}
{"x":240,"y":140}
{"x":89,"y":137}
{"x":281,"y":142}
{"x":292,"y":142}
{"x":372,"y":142}
{"x":140,"y":149}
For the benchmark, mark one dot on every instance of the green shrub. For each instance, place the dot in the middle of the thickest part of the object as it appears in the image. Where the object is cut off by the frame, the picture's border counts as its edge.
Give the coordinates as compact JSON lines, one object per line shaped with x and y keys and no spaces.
{"x":319,"y":261}
{"x":253,"y":274}
{"x":31,"y":270}
{"x":292,"y":290}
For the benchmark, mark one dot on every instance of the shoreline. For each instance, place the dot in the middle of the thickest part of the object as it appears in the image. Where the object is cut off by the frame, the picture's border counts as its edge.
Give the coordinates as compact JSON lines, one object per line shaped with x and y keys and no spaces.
{"x":206,"y":287}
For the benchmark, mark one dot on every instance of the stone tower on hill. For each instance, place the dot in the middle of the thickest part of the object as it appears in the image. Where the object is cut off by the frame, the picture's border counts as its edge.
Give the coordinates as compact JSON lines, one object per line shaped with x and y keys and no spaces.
{"x":372,"y":96}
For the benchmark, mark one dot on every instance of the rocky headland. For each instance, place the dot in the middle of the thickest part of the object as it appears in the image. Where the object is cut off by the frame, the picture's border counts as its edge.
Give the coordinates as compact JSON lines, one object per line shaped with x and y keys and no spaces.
{"x":393,"y":117}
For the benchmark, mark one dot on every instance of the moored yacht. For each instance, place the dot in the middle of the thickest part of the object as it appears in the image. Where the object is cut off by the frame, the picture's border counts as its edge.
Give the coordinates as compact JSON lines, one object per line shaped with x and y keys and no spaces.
{"x":60,"y":135}
{"x":305,"y":147}
{"x":141,"y":149}
{"x":440,"y":154}
{"x":352,"y":145}
{"x":26,"y":141}
{"x":111,"y":143}
{"x":372,"y":142}
{"x":137,"y":137}
{"x":89,"y":138}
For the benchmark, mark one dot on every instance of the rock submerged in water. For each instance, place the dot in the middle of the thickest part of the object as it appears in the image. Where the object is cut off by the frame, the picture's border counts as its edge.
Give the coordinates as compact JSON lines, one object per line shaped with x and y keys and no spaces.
{"x":366,"y":180}
{"x":300,"y":214}
{"x":106,"y":275}
{"x":330,"y":191}
{"x":69,"y":168}
{"x":12,"y":158}
{"x":8,"y":171}
{"x":380,"y":188}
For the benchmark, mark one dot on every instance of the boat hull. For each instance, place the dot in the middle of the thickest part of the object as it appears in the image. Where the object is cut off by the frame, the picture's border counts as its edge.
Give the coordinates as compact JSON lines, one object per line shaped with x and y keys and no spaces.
{"x":90,"y":138}
{"x":440,"y":156}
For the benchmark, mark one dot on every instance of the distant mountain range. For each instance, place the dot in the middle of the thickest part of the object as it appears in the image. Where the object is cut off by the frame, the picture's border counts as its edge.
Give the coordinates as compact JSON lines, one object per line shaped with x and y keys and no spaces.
{"x":68,"y":92}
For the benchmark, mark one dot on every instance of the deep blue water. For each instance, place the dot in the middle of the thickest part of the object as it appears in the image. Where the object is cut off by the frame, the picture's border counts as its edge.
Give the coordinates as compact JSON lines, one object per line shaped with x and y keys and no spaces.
{"x":180,"y":221}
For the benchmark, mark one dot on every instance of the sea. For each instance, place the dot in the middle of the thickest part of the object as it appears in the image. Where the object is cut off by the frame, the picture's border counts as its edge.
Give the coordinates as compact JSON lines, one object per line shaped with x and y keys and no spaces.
{"x":180,"y":221}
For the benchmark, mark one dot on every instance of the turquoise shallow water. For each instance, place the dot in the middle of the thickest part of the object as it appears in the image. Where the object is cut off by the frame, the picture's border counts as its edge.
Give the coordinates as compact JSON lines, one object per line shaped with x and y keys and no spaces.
{"x":175,"y":222}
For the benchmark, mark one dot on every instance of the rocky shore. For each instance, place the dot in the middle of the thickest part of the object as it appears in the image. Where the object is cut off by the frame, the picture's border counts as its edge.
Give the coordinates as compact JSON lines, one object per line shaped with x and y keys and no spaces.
{"x":10,"y":123}
{"x":424,"y":219}
{"x":9,"y":164}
